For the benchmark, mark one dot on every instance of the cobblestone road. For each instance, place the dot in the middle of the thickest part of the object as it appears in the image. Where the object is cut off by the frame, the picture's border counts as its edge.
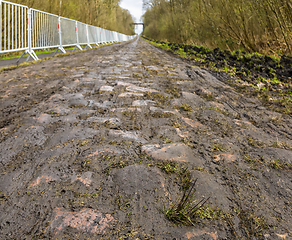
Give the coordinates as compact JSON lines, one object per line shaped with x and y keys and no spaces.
{"x":95,"y":145}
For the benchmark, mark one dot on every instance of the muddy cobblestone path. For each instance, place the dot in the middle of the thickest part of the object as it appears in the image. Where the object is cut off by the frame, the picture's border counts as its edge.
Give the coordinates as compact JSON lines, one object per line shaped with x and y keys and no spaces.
{"x":95,"y":145}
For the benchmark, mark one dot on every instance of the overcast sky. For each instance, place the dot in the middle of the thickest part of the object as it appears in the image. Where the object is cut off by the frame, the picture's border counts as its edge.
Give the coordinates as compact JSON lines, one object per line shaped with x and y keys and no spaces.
{"x":135,"y":8}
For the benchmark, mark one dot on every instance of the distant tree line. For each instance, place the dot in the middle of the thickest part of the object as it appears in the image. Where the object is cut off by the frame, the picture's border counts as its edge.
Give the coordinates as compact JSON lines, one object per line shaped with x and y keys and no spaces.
{"x":253,"y":25}
{"x":102,"y":13}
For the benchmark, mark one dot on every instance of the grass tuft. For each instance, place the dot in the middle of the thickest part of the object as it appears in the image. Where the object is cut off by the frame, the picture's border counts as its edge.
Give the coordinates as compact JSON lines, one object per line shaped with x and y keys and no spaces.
{"x":279,"y":166}
{"x":186,"y":209}
{"x":217,"y":147}
{"x":187,"y":107}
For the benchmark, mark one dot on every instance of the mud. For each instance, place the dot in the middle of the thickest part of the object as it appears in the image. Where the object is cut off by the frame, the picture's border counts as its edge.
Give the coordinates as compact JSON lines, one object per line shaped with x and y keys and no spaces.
{"x":247,"y":65}
{"x":95,"y":145}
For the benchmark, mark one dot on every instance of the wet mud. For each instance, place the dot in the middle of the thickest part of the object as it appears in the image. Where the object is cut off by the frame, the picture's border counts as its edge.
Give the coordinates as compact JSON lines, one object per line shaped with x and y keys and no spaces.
{"x":247,"y":65}
{"x":95,"y":145}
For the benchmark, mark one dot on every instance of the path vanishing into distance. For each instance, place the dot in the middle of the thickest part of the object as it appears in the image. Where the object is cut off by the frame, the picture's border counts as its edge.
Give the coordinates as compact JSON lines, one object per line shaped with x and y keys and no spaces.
{"x":100,"y":144}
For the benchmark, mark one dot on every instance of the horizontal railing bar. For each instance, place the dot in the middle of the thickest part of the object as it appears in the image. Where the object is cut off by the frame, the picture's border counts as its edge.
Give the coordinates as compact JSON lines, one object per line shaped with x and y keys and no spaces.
{"x":35,"y":10}
{"x":69,"y":19}
{"x":13,"y":50}
{"x":69,"y":45}
{"x":37,"y":48}
{"x":15,"y":4}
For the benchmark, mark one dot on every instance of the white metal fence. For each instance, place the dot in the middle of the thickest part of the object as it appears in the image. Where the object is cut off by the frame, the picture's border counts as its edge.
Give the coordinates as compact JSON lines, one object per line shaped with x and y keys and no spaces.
{"x":13,"y":31}
{"x":45,"y":30}
{"x":26,"y":29}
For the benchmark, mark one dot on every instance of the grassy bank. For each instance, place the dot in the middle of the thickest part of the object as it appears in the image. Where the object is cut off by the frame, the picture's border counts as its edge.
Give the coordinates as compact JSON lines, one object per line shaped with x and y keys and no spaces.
{"x":267,"y":77}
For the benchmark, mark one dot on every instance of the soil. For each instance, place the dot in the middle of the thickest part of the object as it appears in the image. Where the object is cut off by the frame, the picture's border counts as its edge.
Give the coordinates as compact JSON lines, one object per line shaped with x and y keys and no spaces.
{"x":268,"y":78}
{"x":247,"y":65}
{"x":99,"y":144}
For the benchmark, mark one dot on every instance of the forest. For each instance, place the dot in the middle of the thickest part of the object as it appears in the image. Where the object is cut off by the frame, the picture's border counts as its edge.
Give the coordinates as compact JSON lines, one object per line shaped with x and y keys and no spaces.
{"x":102,"y":13}
{"x":263,"y":26}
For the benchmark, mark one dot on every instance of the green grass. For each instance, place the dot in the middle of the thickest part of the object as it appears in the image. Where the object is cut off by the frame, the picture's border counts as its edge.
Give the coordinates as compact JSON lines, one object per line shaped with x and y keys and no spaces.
{"x":24,"y":64}
{"x":226,"y":113}
{"x":186,"y":107}
{"x":15,"y":55}
{"x":274,"y":93}
{"x":122,"y":204}
{"x":168,"y":167}
{"x":173,"y":90}
{"x":176,"y":124}
{"x":255,"y":143}
{"x":275,"y":164}
{"x":185,"y":210}
{"x":217,"y":147}
{"x":279,"y":166}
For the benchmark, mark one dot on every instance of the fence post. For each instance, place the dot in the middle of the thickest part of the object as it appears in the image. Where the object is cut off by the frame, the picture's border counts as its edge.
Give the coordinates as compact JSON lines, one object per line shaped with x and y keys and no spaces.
{"x":77,"y":39}
{"x":87,"y":36}
{"x":30,"y":52}
{"x":60,"y":36}
{"x":102,"y":36}
{"x":1,"y":25}
{"x":96,"y":36}
{"x":107,"y":37}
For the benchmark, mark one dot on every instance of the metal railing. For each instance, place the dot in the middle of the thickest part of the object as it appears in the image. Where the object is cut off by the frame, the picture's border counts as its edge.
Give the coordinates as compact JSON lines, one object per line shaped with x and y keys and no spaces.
{"x":45,"y":30}
{"x":26,"y":29}
{"x":13,"y":32}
